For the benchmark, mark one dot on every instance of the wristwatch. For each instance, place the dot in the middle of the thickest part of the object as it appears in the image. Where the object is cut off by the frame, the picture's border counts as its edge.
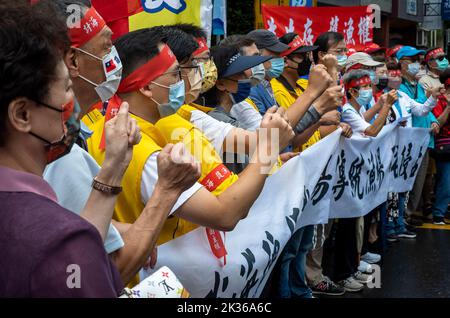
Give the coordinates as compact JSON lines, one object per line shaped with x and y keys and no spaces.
{"x":105,"y":188}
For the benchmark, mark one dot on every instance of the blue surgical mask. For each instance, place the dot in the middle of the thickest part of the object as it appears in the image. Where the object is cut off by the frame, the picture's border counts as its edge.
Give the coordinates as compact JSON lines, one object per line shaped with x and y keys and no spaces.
{"x":442,"y":65}
{"x":373,"y":76}
{"x":244,"y":87}
{"x":342,"y":59}
{"x":365,"y":96}
{"x":414,"y":68}
{"x":176,"y":98}
{"x":277,"y":67}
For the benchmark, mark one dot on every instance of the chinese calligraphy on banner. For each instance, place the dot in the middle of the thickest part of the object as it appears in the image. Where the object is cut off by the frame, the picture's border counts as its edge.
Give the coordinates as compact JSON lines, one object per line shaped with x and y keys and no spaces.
{"x":335,"y":178}
{"x":353,"y":22}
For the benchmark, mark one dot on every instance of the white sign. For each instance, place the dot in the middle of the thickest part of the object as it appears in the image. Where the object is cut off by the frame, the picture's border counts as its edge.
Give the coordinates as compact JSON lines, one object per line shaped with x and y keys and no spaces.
{"x":335,"y":178}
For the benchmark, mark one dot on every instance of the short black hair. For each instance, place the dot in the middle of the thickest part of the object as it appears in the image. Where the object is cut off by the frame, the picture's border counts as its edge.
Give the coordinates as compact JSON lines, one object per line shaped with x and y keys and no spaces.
{"x":324,"y":41}
{"x":181,"y":43}
{"x":191,"y":29}
{"x":32,"y":43}
{"x":137,"y":48}
{"x":445,"y":75}
{"x":237,"y":40}
{"x":393,"y":66}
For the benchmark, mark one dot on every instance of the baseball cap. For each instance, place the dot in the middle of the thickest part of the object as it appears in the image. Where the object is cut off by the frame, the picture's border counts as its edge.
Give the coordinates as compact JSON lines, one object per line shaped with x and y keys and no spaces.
{"x":265,"y":39}
{"x":238,"y":64}
{"x":407,"y":51}
{"x":297,"y":45}
{"x":360,"y":58}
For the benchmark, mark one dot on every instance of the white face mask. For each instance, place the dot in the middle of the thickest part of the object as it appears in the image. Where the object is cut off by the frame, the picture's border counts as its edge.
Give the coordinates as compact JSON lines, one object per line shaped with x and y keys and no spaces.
{"x":112,"y":68}
{"x":258,"y":74}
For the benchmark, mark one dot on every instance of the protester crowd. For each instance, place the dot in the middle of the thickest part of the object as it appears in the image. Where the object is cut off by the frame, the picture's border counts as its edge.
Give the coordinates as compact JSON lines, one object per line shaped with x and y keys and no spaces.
{"x":109,"y":149}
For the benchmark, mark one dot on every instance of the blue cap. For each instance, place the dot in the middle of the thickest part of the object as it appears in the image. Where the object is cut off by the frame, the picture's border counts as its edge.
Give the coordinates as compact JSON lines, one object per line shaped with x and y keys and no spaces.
{"x":408,"y":51}
{"x":238,"y":64}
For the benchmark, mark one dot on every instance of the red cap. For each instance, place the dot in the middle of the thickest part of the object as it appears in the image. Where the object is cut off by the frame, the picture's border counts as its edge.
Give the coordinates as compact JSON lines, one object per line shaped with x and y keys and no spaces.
{"x":373,"y":47}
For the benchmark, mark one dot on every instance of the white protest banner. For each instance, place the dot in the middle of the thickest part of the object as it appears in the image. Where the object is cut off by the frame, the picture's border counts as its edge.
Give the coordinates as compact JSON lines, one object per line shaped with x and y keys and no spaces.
{"x":337,"y":177}
{"x":363,"y":170}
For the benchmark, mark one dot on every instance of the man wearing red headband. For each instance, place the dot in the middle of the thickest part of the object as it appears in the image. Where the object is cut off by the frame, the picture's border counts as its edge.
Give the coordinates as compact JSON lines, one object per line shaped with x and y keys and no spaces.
{"x":436,"y":63}
{"x":151,"y":85}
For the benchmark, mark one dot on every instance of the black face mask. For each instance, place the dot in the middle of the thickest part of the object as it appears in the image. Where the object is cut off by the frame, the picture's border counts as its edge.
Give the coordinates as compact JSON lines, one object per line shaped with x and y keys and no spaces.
{"x":303,"y":68}
{"x":382,"y":83}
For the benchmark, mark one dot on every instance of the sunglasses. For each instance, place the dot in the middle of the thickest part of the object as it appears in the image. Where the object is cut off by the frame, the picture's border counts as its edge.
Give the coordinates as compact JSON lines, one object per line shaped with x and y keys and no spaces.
{"x":440,"y":58}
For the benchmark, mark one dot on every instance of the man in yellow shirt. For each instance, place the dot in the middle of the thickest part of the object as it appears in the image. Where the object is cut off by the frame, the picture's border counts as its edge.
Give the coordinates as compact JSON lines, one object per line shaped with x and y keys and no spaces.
{"x":153,"y":87}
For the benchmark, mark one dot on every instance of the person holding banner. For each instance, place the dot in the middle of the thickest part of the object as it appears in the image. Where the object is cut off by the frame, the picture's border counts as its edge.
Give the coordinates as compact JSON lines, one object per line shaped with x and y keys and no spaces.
{"x":441,"y":153}
{"x":153,"y":86}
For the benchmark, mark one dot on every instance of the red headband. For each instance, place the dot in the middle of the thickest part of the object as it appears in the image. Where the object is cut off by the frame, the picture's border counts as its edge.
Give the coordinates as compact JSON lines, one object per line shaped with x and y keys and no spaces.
{"x":365,"y":80}
{"x":355,"y":67}
{"x":202,"y":46}
{"x":394,"y":73}
{"x":394,"y":50}
{"x":294,"y":45}
{"x":447,"y":83}
{"x":84,"y":30}
{"x":433,"y":53}
{"x":149,"y":71}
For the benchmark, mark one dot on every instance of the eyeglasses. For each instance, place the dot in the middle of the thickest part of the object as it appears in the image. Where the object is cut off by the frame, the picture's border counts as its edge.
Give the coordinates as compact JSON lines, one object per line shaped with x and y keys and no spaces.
{"x":185,"y":70}
{"x":176,"y":72}
{"x":198,"y":60}
{"x":339,"y":51}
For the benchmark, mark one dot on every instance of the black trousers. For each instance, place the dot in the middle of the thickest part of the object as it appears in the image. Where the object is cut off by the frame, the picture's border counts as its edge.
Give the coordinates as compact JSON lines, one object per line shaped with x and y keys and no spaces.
{"x":345,"y":254}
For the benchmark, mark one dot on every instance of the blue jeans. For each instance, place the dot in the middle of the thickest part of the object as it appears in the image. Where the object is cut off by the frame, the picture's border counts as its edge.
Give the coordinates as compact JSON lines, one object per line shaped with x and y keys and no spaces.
{"x":397,"y":225}
{"x":442,"y":188}
{"x":293,"y":265}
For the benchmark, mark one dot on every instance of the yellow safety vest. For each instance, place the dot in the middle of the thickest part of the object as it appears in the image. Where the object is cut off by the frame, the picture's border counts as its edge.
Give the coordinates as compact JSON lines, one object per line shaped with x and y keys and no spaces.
{"x":286,"y":98}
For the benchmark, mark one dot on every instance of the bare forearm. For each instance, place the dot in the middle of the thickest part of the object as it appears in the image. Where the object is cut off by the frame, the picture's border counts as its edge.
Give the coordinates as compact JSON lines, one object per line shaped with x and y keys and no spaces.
{"x":302,"y":138}
{"x":301,"y":106}
{"x":141,"y":237}
{"x":100,"y":206}
{"x":327,"y":130}
{"x":371,"y":113}
{"x":378,"y":124}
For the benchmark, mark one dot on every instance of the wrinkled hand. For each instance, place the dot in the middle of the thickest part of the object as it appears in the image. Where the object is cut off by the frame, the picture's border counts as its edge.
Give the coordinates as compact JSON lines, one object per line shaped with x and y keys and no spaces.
{"x":435,"y":128}
{"x":319,"y":80}
{"x":392,"y":97}
{"x":331,"y":118}
{"x":347,"y":131}
{"x":121,"y":134}
{"x":330,"y":100}
{"x":276,"y":119}
{"x":177,"y":169}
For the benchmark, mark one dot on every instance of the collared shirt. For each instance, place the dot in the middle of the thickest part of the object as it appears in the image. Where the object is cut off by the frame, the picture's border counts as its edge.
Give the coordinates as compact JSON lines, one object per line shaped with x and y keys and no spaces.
{"x":71,"y":178}
{"x":263,"y":97}
{"x":42,"y":244}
